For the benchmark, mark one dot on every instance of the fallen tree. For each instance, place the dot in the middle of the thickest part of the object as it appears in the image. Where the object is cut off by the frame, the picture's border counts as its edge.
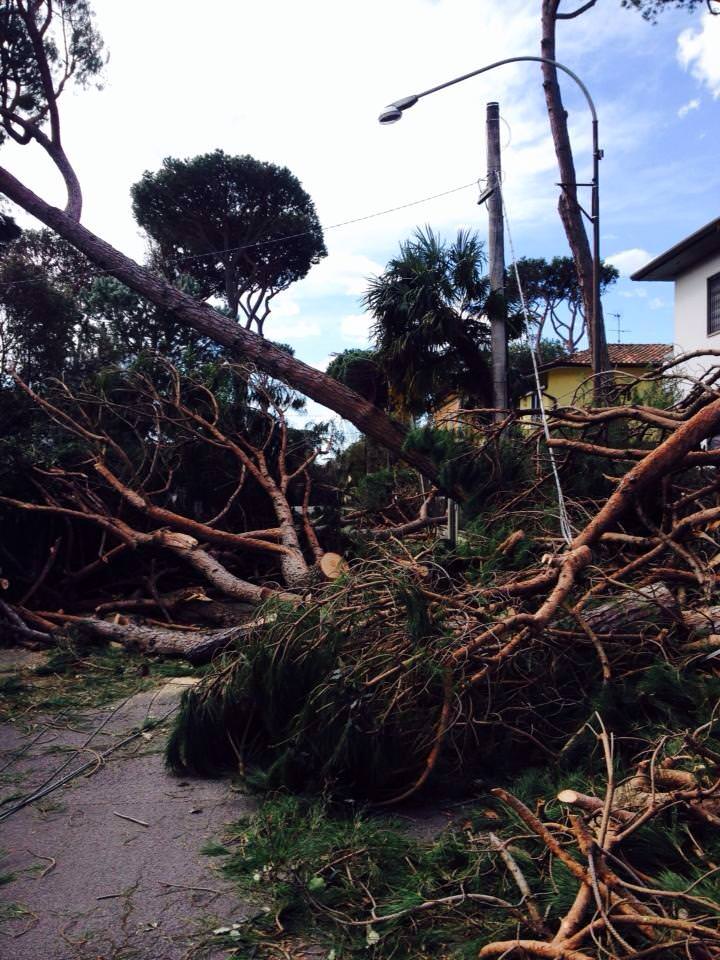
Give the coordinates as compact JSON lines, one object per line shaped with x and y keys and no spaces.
{"x":630,"y":587}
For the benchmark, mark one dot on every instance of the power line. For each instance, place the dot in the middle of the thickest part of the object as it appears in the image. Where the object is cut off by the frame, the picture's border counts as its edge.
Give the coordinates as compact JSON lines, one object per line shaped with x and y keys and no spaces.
{"x":272,"y":240}
{"x":563,"y":515}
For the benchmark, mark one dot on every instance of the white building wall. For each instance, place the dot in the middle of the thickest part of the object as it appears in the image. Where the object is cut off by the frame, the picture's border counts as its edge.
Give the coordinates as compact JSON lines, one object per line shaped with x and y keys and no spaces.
{"x":691,"y":316}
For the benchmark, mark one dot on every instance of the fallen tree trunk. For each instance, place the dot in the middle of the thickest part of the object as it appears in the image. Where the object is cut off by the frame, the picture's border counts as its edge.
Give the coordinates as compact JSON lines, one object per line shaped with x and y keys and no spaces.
{"x":705,"y":620}
{"x":197,"y":646}
{"x":208,"y":322}
{"x":631,"y":609}
{"x":14,"y":628}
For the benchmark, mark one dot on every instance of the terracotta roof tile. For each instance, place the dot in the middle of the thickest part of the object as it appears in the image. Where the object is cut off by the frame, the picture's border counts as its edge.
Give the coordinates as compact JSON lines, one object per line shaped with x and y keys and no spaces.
{"x":621,"y":354}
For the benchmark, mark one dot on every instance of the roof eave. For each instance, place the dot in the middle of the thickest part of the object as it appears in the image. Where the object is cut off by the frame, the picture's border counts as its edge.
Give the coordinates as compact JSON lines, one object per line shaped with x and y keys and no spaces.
{"x":696,"y":248}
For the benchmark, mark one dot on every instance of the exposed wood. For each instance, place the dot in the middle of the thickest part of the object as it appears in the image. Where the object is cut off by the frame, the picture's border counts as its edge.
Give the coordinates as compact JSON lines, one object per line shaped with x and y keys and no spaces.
{"x":332,"y":565}
{"x":195,"y":647}
{"x":510,"y":542}
{"x":592,"y":805}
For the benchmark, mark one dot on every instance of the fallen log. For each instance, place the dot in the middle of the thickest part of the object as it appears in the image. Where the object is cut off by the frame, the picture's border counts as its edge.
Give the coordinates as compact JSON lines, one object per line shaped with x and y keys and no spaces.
{"x":197,"y":647}
{"x":13,"y":627}
{"x":706,"y":620}
{"x":631,"y":608}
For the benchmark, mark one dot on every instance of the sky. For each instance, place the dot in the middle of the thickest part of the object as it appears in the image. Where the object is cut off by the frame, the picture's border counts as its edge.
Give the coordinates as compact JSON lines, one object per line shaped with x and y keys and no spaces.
{"x":301,"y":84}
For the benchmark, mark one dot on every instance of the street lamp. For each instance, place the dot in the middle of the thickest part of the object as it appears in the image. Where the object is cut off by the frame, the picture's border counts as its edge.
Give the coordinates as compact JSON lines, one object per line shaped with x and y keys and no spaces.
{"x":394,"y":111}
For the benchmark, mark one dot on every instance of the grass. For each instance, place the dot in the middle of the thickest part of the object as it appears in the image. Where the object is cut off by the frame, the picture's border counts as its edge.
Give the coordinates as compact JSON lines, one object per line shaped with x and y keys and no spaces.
{"x":14,"y":911}
{"x":359,"y":885}
{"x":319,"y":868}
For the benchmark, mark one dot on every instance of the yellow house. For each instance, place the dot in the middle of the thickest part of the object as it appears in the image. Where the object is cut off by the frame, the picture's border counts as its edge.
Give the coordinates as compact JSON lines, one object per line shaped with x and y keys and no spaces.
{"x":447,"y":413}
{"x":568,"y":381}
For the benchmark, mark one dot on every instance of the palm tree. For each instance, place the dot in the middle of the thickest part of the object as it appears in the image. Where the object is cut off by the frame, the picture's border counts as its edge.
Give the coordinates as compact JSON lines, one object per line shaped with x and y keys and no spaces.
{"x":430,"y":327}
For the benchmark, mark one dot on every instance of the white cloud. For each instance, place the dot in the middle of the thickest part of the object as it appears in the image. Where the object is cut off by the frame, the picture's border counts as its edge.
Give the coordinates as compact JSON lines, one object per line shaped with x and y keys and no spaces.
{"x":292,"y":329}
{"x":326,"y":131}
{"x":697,"y":51}
{"x":339,"y":273}
{"x":356,"y":327}
{"x":628,"y":261}
{"x":285,"y":306}
{"x":634,"y":292}
{"x":314,"y":413}
{"x":657,"y":303}
{"x":685,"y":109}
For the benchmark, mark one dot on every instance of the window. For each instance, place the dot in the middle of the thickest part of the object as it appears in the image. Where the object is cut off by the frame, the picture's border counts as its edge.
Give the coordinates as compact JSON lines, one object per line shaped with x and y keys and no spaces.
{"x":713,"y":316}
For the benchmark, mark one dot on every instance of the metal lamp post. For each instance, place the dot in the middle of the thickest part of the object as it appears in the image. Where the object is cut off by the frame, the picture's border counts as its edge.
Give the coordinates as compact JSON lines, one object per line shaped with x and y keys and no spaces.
{"x":394,"y":111}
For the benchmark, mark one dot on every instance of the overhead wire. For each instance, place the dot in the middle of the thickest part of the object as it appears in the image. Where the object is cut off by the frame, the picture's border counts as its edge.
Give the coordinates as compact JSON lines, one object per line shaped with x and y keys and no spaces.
{"x":563,"y":516}
{"x":184,"y":258}
{"x":49,"y":786}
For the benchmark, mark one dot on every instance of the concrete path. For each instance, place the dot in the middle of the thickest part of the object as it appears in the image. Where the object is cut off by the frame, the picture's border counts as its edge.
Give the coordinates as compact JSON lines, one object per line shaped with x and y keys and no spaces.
{"x":86,"y":884}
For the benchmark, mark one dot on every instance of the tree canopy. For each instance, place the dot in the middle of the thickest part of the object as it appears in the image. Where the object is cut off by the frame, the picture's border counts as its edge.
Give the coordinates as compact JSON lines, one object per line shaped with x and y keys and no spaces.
{"x":243,"y":229}
{"x":61,"y":317}
{"x":362,"y":371}
{"x":554,"y":297}
{"x":73,"y":48}
{"x":651,"y":8}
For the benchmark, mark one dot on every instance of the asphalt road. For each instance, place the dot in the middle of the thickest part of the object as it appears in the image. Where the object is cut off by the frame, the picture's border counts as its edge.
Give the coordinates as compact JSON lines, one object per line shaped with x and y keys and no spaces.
{"x":82,"y":882}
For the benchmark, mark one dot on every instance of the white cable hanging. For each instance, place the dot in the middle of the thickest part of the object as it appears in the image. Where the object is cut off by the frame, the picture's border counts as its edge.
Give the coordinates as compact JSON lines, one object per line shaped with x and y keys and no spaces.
{"x":563,"y":516}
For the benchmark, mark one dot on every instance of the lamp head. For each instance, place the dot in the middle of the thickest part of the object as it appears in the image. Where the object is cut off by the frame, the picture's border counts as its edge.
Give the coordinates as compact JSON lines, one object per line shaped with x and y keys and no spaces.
{"x":394,"y":111}
{"x":390,"y":115}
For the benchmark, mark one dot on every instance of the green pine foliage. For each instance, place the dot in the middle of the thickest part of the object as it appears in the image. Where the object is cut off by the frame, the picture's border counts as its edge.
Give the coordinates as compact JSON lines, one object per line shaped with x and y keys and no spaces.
{"x":342,"y":698}
{"x":297,"y":702}
{"x":320,"y":869}
{"x":374,"y":491}
{"x":480,"y":470}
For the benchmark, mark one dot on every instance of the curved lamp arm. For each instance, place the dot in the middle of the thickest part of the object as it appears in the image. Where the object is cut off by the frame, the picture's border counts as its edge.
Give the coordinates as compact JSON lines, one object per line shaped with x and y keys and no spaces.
{"x":395,"y":110}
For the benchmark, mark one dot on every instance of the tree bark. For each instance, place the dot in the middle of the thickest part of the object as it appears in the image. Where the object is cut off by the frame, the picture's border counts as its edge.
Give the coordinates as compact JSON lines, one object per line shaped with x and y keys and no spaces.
{"x":656,"y":465}
{"x":236,"y":541}
{"x":208,"y":322}
{"x":197,"y":647}
{"x":187,"y":548}
{"x":568,"y":206}
{"x":631,"y":609}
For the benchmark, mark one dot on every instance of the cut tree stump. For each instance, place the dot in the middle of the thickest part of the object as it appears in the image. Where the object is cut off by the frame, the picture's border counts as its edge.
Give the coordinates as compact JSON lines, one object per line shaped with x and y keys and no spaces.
{"x":332,"y":566}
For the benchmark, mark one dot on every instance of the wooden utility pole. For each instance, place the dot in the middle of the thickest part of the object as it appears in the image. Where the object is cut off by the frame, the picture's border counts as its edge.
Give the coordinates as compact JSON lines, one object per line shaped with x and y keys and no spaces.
{"x":496,"y":254}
